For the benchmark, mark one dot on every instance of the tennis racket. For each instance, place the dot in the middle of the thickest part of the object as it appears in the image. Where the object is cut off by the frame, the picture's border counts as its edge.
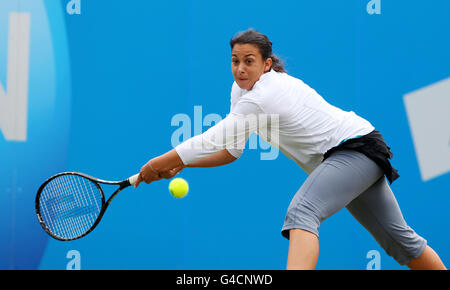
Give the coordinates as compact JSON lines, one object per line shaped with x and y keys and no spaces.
{"x":70,"y":205}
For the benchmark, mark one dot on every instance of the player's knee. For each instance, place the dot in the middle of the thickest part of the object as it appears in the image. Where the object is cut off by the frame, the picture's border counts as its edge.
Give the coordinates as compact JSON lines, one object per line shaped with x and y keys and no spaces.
{"x":302,"y":215}
{"x":403,"y":246}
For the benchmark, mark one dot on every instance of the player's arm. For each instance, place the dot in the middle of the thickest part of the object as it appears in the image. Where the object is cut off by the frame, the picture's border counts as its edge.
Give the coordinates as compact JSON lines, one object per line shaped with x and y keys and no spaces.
{"x":160,"y":164}
{"x":194,"y":154}
{"x":226,"y":138}
{"x":217,"y":159}
{"x":171,"y":161}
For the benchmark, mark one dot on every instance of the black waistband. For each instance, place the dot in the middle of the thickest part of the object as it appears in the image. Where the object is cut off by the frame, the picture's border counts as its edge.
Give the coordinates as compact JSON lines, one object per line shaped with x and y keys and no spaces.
{"x":374,"y":147}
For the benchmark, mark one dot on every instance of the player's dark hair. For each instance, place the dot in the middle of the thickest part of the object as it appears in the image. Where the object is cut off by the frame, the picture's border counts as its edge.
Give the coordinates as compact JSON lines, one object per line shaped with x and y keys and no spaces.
{"x":263,"y":43}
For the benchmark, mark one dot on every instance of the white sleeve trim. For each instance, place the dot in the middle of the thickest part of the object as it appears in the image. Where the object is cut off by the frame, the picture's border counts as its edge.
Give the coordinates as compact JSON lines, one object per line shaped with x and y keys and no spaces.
{"x":235,"y":152}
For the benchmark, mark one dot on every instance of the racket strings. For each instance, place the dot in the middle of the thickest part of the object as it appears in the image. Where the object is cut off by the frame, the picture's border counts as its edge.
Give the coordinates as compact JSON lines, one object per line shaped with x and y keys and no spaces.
{"x":70,"y":205}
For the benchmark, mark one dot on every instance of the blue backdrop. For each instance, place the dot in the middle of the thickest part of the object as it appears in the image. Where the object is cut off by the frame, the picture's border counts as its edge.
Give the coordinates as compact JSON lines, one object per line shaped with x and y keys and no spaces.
{"x":108,"y":80}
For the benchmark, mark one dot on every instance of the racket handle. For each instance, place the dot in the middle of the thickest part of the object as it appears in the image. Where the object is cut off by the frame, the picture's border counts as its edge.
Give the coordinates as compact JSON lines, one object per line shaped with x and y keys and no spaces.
{"x":133,"y":179}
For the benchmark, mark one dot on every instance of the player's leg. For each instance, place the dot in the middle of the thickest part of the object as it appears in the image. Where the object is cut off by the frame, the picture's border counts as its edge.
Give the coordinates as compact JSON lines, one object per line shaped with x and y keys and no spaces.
{"x":378,"y":211}
{"x":303,"y":250}
{"x":329,"y":188}
{"x":428,"y":260}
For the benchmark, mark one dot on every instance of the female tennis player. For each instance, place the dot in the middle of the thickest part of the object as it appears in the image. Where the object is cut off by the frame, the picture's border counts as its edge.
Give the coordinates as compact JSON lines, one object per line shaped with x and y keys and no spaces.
{"x":346,"y":159}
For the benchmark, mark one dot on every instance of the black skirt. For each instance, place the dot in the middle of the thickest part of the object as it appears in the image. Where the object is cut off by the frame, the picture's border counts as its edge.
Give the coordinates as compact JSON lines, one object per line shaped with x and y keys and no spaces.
{"x":374,"y":147}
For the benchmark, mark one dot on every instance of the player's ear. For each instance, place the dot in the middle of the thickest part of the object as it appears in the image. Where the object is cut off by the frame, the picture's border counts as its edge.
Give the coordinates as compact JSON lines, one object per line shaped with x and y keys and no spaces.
{"x":268,"y":64}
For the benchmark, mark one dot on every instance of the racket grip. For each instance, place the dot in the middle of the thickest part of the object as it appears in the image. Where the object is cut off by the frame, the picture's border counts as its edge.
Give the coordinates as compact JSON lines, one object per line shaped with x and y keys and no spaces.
{"x":133,"y":179}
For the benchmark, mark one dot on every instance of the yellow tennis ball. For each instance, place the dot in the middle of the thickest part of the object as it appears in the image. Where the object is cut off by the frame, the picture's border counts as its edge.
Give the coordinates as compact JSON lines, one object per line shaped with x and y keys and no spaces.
{"x":178,"y":187}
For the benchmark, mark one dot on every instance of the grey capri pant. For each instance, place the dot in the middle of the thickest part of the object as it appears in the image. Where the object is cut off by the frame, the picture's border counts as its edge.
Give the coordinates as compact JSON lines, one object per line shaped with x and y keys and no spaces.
{"x":349,"y":179}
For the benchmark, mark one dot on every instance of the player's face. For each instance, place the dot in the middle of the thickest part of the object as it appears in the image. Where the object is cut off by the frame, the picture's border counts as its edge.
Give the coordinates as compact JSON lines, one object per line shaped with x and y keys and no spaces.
{"x":248,"y":65}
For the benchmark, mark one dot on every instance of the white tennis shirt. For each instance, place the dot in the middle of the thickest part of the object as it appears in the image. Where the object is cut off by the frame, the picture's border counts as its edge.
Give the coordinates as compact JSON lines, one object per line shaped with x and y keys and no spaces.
{"x":286,"y":113}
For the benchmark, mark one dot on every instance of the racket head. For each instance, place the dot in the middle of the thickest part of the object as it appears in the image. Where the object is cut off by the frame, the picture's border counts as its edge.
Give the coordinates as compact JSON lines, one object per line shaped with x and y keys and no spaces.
{"x":69,"y":205}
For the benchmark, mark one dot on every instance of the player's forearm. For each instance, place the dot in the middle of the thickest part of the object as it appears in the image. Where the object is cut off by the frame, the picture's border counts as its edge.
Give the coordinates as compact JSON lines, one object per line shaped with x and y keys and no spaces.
{"x":231,"y":134}
{"x":167,"y":161}
{"x":217,"y":159}
{"x":171,"y":160}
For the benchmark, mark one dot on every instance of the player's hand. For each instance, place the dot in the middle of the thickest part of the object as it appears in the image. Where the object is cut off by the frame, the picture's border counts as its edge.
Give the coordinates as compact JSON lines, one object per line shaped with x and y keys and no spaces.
{"x":147,"y":174}
{"x":171,"y":173}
